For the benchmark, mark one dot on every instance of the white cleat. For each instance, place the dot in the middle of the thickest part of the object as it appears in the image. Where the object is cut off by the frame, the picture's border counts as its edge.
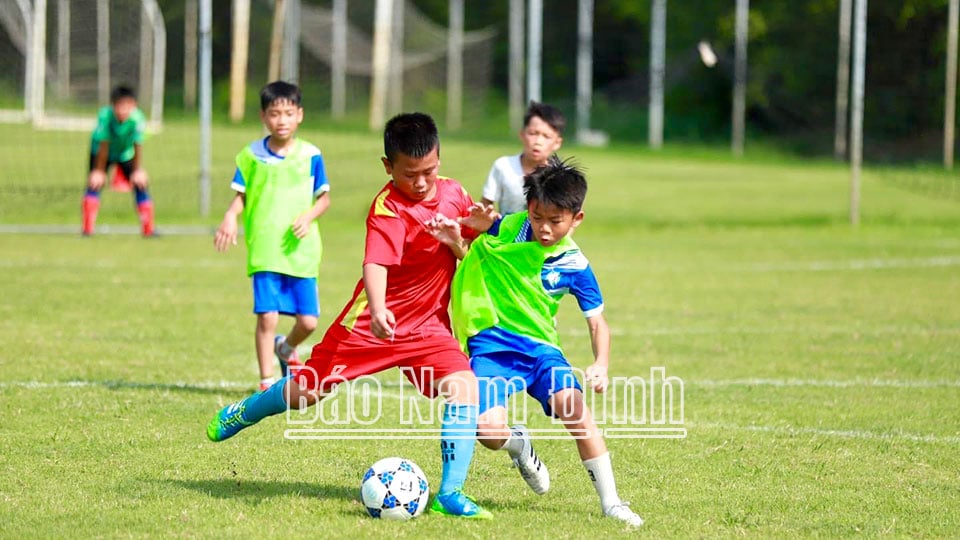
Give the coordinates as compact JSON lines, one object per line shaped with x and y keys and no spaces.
{"x":623,"y":512}
{"x":533,"y":471}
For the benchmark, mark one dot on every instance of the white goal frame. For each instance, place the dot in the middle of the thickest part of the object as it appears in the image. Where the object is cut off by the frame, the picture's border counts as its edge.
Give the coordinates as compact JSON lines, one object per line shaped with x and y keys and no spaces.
{"x":152,"y":67}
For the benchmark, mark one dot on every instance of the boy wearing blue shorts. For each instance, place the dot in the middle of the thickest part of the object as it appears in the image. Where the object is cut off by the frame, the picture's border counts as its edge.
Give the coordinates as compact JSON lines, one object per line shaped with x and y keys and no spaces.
{"x":281,"y":189}
{"x":505,"y":295}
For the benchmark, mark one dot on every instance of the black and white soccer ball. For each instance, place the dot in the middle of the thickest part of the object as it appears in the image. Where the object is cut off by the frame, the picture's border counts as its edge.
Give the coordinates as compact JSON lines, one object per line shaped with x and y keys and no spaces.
{"x":394,"y":488}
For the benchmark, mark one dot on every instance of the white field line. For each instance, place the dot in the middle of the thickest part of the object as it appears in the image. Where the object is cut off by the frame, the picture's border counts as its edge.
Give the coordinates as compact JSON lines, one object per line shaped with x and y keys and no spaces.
{"x":74,"y":229}
{"x":762,"y":267}
{"x":690,"y":427}
{"x":827,"y":383}
{"x":113,"y":264}
{"x":877,"y":263}
{"x":855,"y":264}
{"x":838,"y":433}
{"x":802,"y":330}
{"x":709,"y":383}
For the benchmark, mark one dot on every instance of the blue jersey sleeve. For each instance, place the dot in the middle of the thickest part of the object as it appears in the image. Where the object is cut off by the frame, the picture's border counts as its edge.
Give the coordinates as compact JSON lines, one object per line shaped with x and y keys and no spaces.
{"x":570,"y":273}
{"x":319,"y":171}
{"x":494,"y":229}
{"x":586,"y":290}
{"x":238,"y":184}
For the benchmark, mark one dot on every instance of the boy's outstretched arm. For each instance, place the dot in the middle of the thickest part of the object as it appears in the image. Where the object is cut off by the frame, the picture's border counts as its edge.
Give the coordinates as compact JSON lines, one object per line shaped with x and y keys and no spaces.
{"x":447,"y":232}
{"x":596,"y":373}
{"x":481,"y":217}
{"x":301,"y":225}
{"x":382,"y":321}
{"x":227,"y":231}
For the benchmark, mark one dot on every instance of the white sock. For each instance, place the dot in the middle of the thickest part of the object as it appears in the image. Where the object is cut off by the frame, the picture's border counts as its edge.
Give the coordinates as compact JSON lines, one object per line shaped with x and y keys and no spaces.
{"x":267,"y":381}
{"x":285,"y":349}
{"x":514,"y":445}
{"x":601,"y":474}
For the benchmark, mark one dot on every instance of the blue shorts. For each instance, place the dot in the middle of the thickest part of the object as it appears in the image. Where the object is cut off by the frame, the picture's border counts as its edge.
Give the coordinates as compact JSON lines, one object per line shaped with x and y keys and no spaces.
{"x":502,"y":374}
{"x":285,"y":294}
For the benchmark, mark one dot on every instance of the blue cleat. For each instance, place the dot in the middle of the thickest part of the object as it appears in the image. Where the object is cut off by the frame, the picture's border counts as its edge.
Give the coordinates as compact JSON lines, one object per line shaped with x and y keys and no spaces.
{"x":456,"y":504}
{"x":227,"y":423}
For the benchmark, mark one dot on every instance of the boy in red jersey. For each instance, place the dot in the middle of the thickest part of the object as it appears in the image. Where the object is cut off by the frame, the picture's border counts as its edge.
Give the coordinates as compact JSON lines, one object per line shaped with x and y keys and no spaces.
{"x":398,"y":315}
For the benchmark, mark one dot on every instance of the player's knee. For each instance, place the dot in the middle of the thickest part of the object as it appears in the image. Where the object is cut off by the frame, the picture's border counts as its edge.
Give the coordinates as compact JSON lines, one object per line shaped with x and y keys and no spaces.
{"x":300,"y":396}
{"x":306,"y":381}
{"x":308,"y":324}
{"x":492,"y":436}
{"x":568,"y":405}
{"x":267,"y":321}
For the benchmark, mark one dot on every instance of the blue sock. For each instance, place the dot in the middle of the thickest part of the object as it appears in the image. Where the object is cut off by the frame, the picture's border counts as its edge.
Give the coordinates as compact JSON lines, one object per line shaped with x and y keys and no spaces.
{"x":140,"y":195}
{"x":267,"y":403}
{"x":457,"y":439}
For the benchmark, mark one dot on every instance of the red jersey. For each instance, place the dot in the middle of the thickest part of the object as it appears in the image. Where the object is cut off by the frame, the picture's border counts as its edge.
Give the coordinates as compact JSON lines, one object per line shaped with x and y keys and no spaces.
{"x":419,"y":268}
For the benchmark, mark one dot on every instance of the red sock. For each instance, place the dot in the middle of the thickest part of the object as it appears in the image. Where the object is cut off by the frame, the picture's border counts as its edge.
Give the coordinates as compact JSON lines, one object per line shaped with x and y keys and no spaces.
{"x":145,"y":211}
{"x":91,"y":205}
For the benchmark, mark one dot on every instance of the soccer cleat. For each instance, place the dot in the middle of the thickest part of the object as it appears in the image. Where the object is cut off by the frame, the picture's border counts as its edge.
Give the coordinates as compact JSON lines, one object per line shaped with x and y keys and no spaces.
{"x":533,"y":471}
{"x":291,"y":361}
{"x":456,"y":504}
{"x":227,"y":423}
{"x":623,"y":512}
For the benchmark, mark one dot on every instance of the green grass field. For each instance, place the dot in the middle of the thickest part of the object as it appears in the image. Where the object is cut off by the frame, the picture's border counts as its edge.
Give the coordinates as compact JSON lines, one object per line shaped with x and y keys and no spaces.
{"x":820,"y":362}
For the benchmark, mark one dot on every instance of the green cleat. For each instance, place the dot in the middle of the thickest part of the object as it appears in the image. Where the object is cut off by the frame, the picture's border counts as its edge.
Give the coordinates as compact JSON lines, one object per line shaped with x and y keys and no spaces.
{"x":456,"y":504}
{"x":227,"y":423}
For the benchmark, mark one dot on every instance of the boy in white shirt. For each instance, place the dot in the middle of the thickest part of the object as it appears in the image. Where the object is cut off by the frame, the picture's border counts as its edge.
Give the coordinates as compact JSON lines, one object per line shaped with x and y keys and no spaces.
{"x":542,"y":135}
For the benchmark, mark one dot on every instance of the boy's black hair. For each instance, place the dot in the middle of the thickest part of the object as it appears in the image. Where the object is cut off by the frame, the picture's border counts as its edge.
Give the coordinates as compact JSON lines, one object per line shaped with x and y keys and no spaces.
{"x":279,"y":91}
{"x":559,"y":183}
{"x":548,"y":113}
{"x":410,"y":134}
{"x":122,"y":92}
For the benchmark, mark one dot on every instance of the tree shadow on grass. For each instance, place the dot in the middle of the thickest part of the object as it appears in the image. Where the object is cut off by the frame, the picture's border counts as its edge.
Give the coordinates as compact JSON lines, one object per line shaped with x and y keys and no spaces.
{"x":256,"y":491}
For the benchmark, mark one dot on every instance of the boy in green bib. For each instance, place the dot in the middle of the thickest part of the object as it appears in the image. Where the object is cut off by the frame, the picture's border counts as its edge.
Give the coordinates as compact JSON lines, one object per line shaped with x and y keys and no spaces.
{"x":281,"y":189}
{"x":506,"y":293}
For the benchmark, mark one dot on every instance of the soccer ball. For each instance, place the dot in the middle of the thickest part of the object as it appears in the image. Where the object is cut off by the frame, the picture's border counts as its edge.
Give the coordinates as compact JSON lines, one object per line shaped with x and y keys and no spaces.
{"x":394,"y":488}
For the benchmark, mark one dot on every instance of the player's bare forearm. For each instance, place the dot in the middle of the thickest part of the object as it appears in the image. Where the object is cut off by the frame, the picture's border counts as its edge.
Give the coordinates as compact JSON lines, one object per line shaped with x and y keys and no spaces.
{"x":137,"y":156}
{"x":382,"y":321}
{"x":139,"y":175}
{"x":320,"y":205}
{"x":596,"y":373}
{"x":98,"y":173}
{"x":226,"y":234}
{"x":599,"y":338}
{"x":103,"y":151}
